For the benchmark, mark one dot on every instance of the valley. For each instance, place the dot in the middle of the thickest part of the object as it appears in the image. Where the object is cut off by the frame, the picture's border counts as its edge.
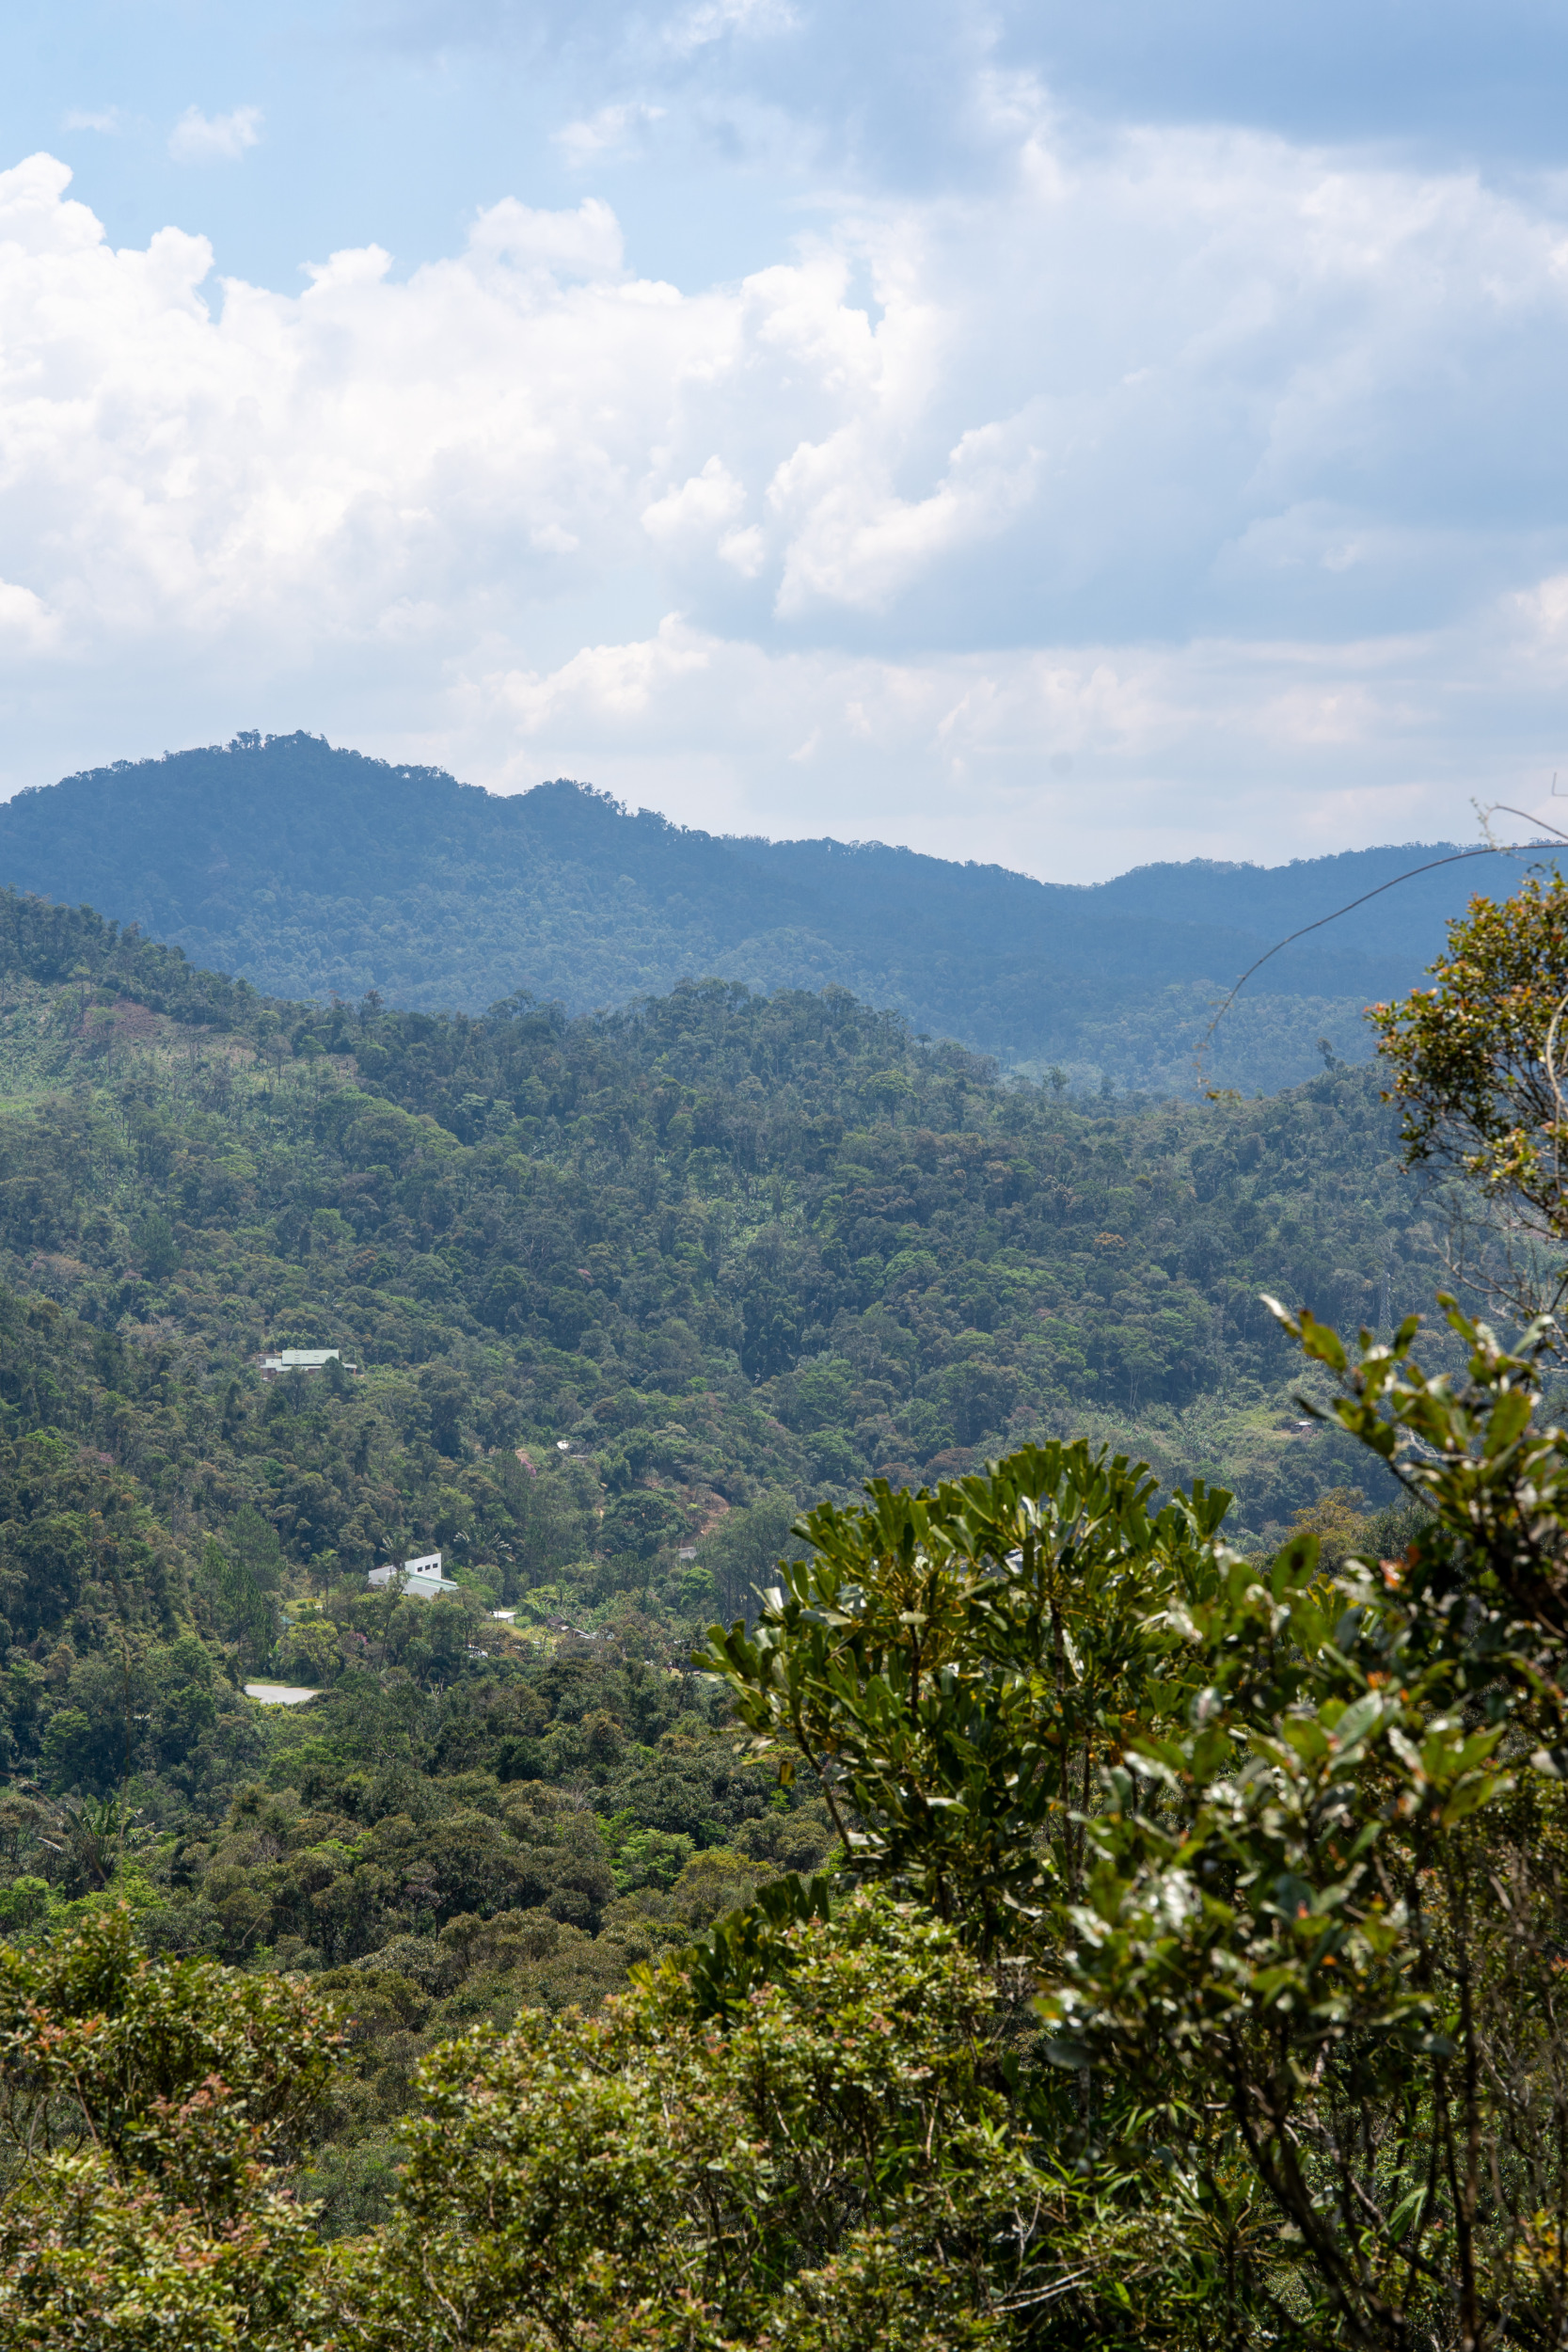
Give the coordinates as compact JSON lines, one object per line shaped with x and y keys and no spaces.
{"x":626,"y":1293}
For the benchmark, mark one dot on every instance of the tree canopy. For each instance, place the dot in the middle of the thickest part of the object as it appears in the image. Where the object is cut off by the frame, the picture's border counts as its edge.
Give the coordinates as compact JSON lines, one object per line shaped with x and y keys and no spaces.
{"x":312,"y":870}
{"x":1053,"y":1907}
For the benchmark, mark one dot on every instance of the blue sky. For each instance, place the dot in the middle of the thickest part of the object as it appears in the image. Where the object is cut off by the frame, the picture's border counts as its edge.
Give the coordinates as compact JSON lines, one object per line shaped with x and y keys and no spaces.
{"x":1062,"y":436}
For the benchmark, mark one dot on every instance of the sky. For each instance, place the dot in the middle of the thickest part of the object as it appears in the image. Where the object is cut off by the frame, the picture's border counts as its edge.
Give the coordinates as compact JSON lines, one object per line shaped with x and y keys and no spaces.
{"x":1057,"y":436}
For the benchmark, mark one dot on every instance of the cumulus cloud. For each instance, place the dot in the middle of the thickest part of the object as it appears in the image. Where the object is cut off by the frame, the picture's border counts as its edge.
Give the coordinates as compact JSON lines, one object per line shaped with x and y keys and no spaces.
{"x":1070,"y":761}
{"x":1227,"y":469}
{"x":198,"y":138}
{"x":695,"y":513}
{"x":583,"y":243}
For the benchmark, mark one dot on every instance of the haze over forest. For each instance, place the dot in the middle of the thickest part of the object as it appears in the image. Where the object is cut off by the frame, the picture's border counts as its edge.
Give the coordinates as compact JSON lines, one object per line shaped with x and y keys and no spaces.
{"x":313,"y":871}
{"x":715,"y":1175}
{"x":632,"y":1217}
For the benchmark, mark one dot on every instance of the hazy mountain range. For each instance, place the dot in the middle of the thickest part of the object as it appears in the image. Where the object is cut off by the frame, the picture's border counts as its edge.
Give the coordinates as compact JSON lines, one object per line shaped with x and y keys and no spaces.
{"x":315,"y":871}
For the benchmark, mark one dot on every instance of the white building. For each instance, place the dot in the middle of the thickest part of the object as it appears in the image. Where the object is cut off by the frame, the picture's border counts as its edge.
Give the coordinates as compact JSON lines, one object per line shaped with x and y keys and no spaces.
{"x":422,"y":1577}
{"x":302,"y":1359}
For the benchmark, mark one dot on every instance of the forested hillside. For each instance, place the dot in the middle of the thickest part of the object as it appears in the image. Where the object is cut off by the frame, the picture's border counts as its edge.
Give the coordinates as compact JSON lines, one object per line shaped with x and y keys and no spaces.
{"x":313,"y":871}
{"x":622,"y":1294}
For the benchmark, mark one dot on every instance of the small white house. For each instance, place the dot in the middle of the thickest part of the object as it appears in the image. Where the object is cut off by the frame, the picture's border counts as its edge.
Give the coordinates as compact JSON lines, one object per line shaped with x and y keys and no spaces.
{"x":302,"y":1359}
{"x":421,"y":1578}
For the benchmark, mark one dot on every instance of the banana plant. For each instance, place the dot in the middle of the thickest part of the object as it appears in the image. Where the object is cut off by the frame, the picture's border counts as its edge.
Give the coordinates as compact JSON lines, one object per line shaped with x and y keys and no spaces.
{"x":90,"y":1838}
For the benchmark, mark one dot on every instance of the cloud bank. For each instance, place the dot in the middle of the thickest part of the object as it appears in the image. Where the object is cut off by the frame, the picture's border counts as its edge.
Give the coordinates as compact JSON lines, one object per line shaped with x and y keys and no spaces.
{"x":1177,"y":491}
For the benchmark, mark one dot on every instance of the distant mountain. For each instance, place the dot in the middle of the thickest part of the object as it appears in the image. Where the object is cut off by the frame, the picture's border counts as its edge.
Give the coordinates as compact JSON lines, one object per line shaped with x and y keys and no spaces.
{"x":314,"y":871}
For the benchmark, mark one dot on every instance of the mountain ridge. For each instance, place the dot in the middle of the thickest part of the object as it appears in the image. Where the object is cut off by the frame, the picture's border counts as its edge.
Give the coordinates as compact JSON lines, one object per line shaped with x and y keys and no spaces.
{"x":314,"y":871}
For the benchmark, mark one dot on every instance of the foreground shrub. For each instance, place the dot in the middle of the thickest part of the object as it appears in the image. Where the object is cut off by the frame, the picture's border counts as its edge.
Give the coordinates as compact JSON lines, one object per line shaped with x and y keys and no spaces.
{"x":140,"y":2102}
{"x":830,"y":2168}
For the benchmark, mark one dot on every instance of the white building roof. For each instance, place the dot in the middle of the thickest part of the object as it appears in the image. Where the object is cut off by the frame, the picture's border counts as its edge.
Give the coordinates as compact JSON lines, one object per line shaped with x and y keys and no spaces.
{"x":422,"y":1577}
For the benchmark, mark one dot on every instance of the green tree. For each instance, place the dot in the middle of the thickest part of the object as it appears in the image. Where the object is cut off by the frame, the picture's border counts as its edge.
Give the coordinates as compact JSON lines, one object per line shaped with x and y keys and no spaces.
{"x":830,"y":2170}
{"x":90,"y":1837}
{"x":240,"y":1601}
{"x":742,"y":1552}
{"x":1477,"y":1064}
{"x":1285,"y":1847}
{"x":155,"y":1245}
{"x":1333,"y":1900}
{"x":310,"y":1649}
{"x":642,"y":1521}
{"x":956,"y":1668}
{"x":139,"y":2102}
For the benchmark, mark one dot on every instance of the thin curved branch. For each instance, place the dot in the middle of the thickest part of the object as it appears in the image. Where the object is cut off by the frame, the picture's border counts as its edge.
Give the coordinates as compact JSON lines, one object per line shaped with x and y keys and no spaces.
{"x":1457,"y":857}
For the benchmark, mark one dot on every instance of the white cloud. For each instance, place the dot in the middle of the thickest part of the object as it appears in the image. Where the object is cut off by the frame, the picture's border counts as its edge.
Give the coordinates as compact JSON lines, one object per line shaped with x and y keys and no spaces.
{"x":583,"y":243}
{"x":1231,"y":471}
{"x":695,"y":515}
{"x":26,"y":624}
{"x":39,"y":223}
{"x":745,"y":552}
{"x":859,"y":544}
{"x":100,"y":119}
{"x":695,"y":29}
{"x":619,"y":683}
{"x":1070,"y":761}
{"x":612,"y":131}
{"x":198,"y":138}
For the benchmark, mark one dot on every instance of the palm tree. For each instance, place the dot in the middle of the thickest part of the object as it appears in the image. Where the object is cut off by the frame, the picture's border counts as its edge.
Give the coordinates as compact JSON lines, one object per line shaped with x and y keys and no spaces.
{"x":91,"y":1838}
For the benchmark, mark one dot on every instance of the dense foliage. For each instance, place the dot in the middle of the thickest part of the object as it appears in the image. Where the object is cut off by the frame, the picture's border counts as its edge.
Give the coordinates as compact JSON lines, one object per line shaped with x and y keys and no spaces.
{"x":622,"y":1296}
{"x":839,"y":1249}
{"x":1241,"y":2027}
{"x":617,"y":1299}
{"x":1284,"y":1851}
{"x":313,"y":871}
{"x":1477,"y":1062}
